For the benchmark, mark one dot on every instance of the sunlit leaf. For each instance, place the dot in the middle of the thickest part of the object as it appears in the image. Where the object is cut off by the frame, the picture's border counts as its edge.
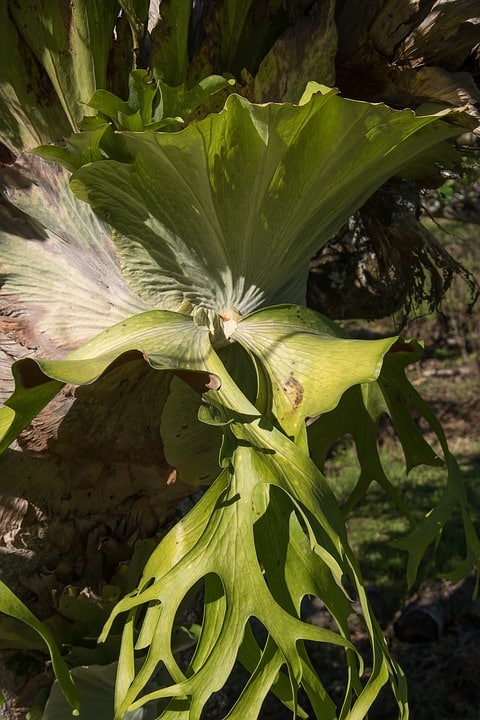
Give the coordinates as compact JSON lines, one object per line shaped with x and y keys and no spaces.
{"x":208,"y":215}
{"x":211,"y":224}
{"x":358,"y":414}
{"x":309,"y":365}
{"x":60,"y":283}
{"x":245,"y":512}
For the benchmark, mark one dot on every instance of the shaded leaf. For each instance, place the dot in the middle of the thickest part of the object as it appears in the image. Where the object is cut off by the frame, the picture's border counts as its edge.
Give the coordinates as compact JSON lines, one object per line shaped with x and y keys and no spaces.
{"x":30,"y":111}
{"x":55,"y":30}
{"x":190,"y":446}
{"x":429,"y":530}
{"x":11,"y":605}
{"x":95,"y":688}
{"x":304,"y":50}
{"x":169,"y":57}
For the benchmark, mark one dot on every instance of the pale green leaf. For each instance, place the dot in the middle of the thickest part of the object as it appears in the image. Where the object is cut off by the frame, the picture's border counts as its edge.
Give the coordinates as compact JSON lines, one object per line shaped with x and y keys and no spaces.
{"x":109,"y":104}
{"x":194,"y":543}
{"x":208,"y":215}
{"x":59,"y":276}
{"x":25,"y":402}
{"x":79,"y":149}
{"x":358,"y":414}
{"x":309,"y":366}
{"x":144,"y":108}
{"x":245,"y":512}
{"x":181,"y":102}
{"x":429,"y":531}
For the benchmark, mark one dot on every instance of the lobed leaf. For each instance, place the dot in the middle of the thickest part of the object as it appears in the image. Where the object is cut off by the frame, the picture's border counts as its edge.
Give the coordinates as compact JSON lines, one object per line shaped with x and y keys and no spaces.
{"x":267,"y":480}
{"x":358,"y":414}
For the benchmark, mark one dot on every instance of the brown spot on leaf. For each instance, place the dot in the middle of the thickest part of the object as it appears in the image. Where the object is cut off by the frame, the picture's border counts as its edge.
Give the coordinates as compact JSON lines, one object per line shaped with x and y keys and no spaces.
{"x":293,"y":390}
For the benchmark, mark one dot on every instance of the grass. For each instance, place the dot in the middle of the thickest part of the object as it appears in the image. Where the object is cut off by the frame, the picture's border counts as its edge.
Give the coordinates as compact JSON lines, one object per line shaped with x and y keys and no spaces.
{"x":376,"y":522}
{"x":448,"y":380}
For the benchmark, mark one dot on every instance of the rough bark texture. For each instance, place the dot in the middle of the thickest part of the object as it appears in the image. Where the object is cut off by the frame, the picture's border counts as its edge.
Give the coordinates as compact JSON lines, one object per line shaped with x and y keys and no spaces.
{"x":408,"y":53}
{"x":92,"y":459}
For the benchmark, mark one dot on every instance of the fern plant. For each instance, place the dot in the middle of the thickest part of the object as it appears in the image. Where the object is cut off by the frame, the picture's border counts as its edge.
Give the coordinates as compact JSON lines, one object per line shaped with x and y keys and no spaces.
{"x":211,"y":224}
